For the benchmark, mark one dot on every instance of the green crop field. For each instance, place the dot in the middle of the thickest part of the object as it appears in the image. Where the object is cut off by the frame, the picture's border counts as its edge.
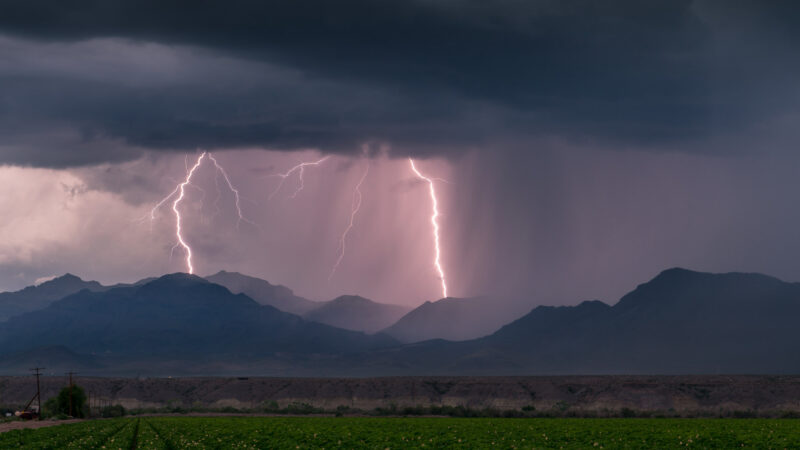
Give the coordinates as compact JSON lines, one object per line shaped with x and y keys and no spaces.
{"x":381,"y":433}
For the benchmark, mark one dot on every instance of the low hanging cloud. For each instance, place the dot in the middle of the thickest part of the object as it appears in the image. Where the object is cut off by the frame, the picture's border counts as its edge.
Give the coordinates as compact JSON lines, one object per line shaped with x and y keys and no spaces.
{"x":109,"y":80}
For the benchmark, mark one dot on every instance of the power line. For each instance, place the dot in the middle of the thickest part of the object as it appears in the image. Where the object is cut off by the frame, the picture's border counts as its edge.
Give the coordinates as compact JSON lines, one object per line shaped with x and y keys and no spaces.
{"x":38,"y":371}
{"x":71,"y":373}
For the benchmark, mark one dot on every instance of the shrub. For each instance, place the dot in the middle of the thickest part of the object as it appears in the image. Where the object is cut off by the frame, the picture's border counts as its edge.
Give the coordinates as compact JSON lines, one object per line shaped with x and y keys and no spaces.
{"x":60,"y":405}
{"x":112,"y":411}
{"x":744,"y":414}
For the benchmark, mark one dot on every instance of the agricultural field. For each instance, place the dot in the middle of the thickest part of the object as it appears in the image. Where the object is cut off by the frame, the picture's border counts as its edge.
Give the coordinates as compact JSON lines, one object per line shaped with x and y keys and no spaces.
{"x":422,"y":432}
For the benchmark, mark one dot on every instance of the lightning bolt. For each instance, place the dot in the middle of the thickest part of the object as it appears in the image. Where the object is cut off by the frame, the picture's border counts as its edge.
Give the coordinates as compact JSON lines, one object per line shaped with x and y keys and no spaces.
{"x":235,"y":191}
{"x":180,"y":192}
{"x":437,"y":260}
{"x":355,"y":205}
{"x":178,"y":230}
{"x":300,"y":169}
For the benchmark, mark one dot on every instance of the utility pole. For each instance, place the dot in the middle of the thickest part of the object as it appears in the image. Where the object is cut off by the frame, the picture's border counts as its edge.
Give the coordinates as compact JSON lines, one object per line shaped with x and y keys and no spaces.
{"x":37,"y":371}
{"x":70,"y":373}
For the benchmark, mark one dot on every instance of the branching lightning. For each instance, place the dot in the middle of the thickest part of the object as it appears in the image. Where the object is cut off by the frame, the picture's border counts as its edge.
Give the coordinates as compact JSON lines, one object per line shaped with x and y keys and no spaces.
{"x":178,"y":230}
{"x":233,"y":189}
{"x":355,"y":205}
{"x":300,"y":169}
{"x":179,"y":193}
{"x":437,"y":260}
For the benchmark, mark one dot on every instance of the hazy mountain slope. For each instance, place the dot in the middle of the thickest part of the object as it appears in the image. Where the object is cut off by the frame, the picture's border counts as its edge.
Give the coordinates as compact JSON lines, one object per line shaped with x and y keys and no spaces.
{"x":176,"y":316}
{"x":453,"y":319}
{"x":263,"y":292}
{"x":33,"y":298}
{"x":135,"y":283}
{"x":352,"y":312}
{"x":55,"y":359}
{"x":679,"y":322}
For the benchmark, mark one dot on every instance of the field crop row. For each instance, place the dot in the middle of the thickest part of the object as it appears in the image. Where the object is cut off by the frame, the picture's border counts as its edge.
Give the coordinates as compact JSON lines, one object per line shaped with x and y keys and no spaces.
{"x":364,"y":432}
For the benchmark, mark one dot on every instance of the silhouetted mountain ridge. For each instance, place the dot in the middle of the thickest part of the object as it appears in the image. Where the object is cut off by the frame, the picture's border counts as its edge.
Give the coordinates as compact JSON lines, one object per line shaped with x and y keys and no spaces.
{"x":353,"y":312}
{"x":452,"y":319}
{"x":350,"y":312}
{"x":40,"y":296}
{"x":680,"y":322}
{"x":264,"y":292}
{"x":177,"y":315}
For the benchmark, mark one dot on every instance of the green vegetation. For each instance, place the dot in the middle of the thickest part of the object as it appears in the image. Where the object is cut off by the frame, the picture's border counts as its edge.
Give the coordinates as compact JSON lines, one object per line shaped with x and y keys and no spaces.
{"x":62,"y":405}
{"x":418,"y":432}
{"x":559,"y":410}
{"x":112,"y":411}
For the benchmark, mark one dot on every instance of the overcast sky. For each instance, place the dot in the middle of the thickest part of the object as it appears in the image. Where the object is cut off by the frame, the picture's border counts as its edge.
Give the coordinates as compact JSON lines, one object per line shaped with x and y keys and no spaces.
{"x":585,"y":145}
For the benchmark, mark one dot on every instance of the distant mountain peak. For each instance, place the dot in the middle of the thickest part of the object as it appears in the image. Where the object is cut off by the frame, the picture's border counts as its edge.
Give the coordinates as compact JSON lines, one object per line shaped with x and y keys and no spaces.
{"x":225,"y":272}
{"x":63,"y":279}
{"x":594,"y":303}
{"x":67,"y":281}
{"x":678,"y":273}
{"x":354,"y":312}
{"x":181,"y":276}
{"x":352,"y":300}
{"x":263,"y":291}
{"x":239,"y":275}
{"x":43,"y":294}
{"x":451,"y":318}
{"x":674,"y":285}
{"x":175,"y":280}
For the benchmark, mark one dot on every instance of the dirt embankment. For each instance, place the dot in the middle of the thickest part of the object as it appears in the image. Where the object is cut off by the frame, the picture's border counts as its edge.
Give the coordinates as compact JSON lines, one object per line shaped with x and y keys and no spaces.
{"x":709,"y":394}
{"x":19,"y":425}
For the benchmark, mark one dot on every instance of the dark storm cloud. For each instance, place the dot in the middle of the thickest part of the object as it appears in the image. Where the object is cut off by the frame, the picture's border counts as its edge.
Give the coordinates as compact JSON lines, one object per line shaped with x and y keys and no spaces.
{"x":425,"y":76}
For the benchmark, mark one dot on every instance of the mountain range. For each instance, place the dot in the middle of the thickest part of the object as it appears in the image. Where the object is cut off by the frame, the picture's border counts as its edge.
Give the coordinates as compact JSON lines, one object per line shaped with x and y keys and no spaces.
{"x":357,"y":313}
{"x":679,"y":322}
{"x":454,"y":319}
{"x":350,"y":312}
{"x":177,"y":317}
{"x":40,"y":296}
{"x":264,"y":292}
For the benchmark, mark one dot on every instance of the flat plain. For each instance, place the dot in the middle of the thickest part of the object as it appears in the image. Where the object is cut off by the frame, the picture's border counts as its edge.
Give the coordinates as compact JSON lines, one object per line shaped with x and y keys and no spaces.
{"x":598,"y":396}
{"x":400,"y":432}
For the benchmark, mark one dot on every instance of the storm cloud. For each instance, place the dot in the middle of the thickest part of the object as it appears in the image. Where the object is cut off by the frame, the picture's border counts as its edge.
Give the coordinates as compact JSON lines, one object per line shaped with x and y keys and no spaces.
{"x":84,"y":82}
{"x":589,"y":145}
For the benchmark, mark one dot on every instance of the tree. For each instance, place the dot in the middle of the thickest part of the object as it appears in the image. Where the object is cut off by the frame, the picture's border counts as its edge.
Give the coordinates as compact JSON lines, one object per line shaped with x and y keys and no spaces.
{"x":61,"y":404}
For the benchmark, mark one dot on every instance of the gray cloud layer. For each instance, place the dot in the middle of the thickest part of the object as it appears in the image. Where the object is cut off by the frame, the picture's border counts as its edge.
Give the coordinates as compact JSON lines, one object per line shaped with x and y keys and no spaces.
{"x":92,"y":81}
{"x":597,"y":139}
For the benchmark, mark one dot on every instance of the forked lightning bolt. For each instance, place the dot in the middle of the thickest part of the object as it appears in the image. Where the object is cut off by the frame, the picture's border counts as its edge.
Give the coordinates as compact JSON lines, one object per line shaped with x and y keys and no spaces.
{"x":180,"y":191}
{"x":437,"y":260}
{"x":178,"y":230}
{"x":233,"y":189}
{"x":355,"y":205}
{"x":300,"y":169}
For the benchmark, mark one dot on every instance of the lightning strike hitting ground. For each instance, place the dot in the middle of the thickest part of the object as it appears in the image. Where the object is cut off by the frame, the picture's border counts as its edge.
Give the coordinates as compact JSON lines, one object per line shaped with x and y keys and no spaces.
{"x":437,"y":260}
{"x":180,"y":191}
{"x":300,"y":169}
{"x":355,"y":205}
{"x":178,"y":231}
